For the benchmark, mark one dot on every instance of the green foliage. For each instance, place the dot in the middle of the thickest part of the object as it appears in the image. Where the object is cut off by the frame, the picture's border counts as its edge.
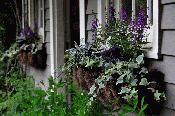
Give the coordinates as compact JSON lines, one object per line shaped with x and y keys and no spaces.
{"x":15,"y":87}
{"x":81,"y":105}
{"x":132,"y":107}
{"x":30,"y":101}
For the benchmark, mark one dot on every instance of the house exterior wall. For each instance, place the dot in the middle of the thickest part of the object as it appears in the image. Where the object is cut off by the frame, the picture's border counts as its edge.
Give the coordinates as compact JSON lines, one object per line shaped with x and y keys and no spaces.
{"x":167,"y":49}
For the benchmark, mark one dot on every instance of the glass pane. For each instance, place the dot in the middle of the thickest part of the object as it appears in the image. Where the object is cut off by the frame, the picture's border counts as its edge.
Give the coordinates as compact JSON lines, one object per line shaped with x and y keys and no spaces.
{"x":141,"y":10}
{"x":127,"y":7}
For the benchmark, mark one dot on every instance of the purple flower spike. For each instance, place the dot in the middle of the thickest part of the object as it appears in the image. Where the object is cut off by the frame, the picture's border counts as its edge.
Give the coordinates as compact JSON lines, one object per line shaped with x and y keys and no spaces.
{"x":123,"y":15}
{"x":28,"y":32}
{"x":112,"y":12}
{"x":94,"y":25}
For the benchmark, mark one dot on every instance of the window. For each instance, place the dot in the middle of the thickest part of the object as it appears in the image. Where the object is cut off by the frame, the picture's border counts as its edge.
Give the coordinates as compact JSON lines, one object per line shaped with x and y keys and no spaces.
{"x":132,"y":7}
{"x":41,"y":18}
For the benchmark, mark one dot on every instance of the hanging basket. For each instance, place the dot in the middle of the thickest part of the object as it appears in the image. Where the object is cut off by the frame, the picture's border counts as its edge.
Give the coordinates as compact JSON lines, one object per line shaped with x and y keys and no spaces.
{"x":36,"y":60}
{"x":25,"y":57}
{"x":85,"y":78}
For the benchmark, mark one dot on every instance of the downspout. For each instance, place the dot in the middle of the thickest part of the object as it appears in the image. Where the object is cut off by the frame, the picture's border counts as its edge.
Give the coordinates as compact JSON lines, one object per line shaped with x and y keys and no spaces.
{"x":52,"y":67}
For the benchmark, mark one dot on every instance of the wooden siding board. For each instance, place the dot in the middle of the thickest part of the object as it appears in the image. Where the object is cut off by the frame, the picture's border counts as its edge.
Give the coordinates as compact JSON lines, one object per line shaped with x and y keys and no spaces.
{"x":168,"y":43}
{"x":167,"y":66}
{"x":170,"y":94}
{"x":167,"y":112}
{"x":168,"y":17}
{"x":167,"y":1}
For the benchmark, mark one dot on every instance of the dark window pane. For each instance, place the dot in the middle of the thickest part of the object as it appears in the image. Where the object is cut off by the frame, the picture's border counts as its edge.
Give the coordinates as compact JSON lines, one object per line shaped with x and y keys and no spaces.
{"x":127,"y":6}
{"x":141,"y":9}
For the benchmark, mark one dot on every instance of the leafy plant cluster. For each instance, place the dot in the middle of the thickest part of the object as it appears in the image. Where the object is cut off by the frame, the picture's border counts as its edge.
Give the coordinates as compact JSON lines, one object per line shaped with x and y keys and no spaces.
{"x":28,"y":40}
{"x":30,"y":101}
{"x":117,"y":48}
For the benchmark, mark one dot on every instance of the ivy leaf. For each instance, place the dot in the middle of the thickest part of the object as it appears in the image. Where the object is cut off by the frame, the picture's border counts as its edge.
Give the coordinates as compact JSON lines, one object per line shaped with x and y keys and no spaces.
{"x":157,"y":95}
{"x":133,"y":92}
{"x":134,"y":82}
{"x":144,"y":70}
{"x":90,"y":63}
{"x":139,"y":59}
{"x":92,"y":89}
{"x":101,"y":85}
{"x":129,"y":75}
{"x":120,"y":79}
{"x":144,"y":82}
{"x":133,"y":65}
{"x":125,"y":90}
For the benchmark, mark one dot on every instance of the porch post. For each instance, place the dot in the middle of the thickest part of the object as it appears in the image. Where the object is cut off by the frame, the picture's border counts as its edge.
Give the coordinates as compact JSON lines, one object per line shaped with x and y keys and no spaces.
{"x":52,"y":66}
{"x":82,"y":21}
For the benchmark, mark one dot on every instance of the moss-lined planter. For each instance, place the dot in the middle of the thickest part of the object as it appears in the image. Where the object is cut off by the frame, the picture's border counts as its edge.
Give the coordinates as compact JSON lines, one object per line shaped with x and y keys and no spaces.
{"x":37,"y":60}
{"x":85,"y":78}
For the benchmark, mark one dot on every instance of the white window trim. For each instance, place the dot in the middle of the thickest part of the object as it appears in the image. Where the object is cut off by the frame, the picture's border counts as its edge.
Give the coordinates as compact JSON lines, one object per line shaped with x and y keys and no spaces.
{"x":52,"y":59}
{"x":31,"y":13}
{"x":82,"y":21}
{"x":57,"y":37}
{"x":154,"y":33}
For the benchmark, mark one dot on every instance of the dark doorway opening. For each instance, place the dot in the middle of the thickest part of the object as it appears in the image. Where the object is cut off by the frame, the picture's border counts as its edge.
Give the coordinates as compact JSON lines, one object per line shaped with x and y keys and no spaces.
{"x":74,"y":22}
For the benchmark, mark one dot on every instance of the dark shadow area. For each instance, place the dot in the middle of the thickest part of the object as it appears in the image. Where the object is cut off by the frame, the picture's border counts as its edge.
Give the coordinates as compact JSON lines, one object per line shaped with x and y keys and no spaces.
{"x":8,"y":21}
